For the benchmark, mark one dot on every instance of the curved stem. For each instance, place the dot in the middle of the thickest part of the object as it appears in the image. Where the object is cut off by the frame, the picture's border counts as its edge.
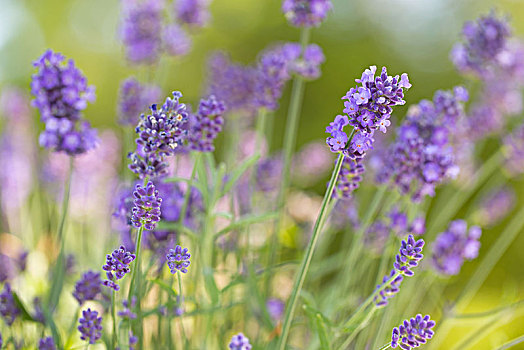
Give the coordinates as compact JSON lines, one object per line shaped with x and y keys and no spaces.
{"x":306,"y":260}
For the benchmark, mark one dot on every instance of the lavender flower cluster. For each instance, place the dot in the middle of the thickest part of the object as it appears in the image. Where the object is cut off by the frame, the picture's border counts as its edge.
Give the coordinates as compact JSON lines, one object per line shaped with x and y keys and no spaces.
{"x":455,"y":245}
{"x":306,"y":13}
{"x":205,"y":125}
{"x":413,"y":333}
{"x":146,"y":210}
{"x":239,"y":342}
{"x":117,"y":266}
{"x":178,"y":259}
{"x":61,"y":93}
{"x":90,"y":327}
{"x":134,"y":98}
{"x":422,"y":156}
{"x":88,"y":287}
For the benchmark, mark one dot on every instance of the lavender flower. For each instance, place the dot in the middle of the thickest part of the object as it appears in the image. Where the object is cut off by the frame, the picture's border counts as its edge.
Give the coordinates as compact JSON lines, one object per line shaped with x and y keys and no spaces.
{"x":390,"y":290}
{"x":61,"y":93}
{"x":176,"y":41}
{"x":46,"y":344}
{"x":454,"y":246}
{"x":192,"y":12}
{"x":306,"y":13}
{"x":269,"y":174}
{"x":117,"y":266}
{"x":90,"y":327}
{"x":133,"y":340}
{"x":495,"y":206}
{"x":141,"y":30}
{"x":514,"y":151}
{"x":349,"y":177}
{"x":38,"y":315}
{"x":178,"y":259}
{"x":1,"y":340}
{"x":409,"y":255}
{"x":8,"y":307}
{"x":205,"y":125}
{"x":159,"y":135}
{"x":126,"y":313}
{"x":239,"y":342}
{"x":413,"y":333}
{"x":146,"y":210}
{"x":88,"y":287}
{"x":275,"y":308}
{"x":134,"y":99}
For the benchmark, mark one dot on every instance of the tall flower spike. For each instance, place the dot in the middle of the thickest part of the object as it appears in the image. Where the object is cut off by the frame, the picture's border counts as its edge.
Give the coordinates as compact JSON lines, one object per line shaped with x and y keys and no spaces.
{"x":306,"y":13}
{"x":8,"y":308}
{"x":90,"y":327}
{"x":239,"y":342}
{"x":390,"y":290}
{"x":205,"y":125}
{"x":454,"y":246}
{"x":134,"y":100}
{"x":192,"y":12}
{"x":350,"y":177}
{"x":178,"y":259}
{"x":46,"y":344}
{"x":88,"y":287}
{"x":146,"y":210}
{"x":61,"y":93}
{"x":409,"y":255}
{"x":413,"y":333}
{"x":117,"y":266}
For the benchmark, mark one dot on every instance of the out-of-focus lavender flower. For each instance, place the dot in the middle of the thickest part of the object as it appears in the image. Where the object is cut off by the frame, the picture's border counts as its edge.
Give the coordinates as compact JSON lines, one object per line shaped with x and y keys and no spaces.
{"x":349,"y":177}
{"x":205,"y":125}
{"x":178,"y":259}
{"x":306,"y":13}
{"x":312,"y":163}
{"x":413,"y":333}
{"x":8,"y":270}
{"x":345,"y":214}
{"x":38,"y":314}
{"x":135,"y":98}
{"x":61,"y":93}
{"x":117,"y":266}
{"x":305,"y":63}
{"x":126,"y":312}
{"x":90,"y":327}
{"x":514,"y":151}
{"x":269,"y":174}
{"x":454,"y":246}
{"x":390,"y":290}
{"x":8,"y":308}
{"x":495,"y":206}
{"x":409,"y":255}
{"x":146,"y":210}
{"x":88,"y":287}
{"x":418,"y":226}
{"x":159,"y":135}
{"x":239,"y":342}
{"x":422,"y":156}
{"x":485,"y":40}
{"x":232,"y":83}
{"x":176,"y":40}
{"x":141,"y":30}
{"x":275,"y":308}
{"x":399,"y":221}
{"x":192,"y":12}
{"x":46,"y":344}
{"x":133,"y":340}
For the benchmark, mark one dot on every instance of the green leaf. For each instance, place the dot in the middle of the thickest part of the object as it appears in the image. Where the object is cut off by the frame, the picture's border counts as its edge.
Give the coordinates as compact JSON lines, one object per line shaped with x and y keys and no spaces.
{"x":322,"y":332}
{"x":26,"y":316}
{"x":239,"y":171}
{"x":170,"y":291}
{"x":193,"y":182}
{"x":246,"y":221}
{"x":174,"y":226}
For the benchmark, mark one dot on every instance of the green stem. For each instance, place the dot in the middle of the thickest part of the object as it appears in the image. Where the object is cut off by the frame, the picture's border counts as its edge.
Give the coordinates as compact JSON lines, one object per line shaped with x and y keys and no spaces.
{"x":306,"y":260}
{"x":135,"y":285}
{"x":187,"y":195}
{"x":293,"y":117}
{"x":180,"y":295}
{"x":353,"y":334}
{"x":113,"y":313}
{"x":385,"y":346}
{"x":511,"y":343}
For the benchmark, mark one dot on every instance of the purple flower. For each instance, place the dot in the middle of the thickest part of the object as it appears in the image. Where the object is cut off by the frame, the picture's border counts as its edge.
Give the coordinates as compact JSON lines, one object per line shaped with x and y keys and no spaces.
{"x":399,"y":221}
{"x":307,"y":63}
{"x":141,"y":30}
{"x":135,"y":98}
{"x":1,"y":340}
{"x":390,"y":290}
{"x":454,"y":246}
{"x":495,"y":206}
{"x":514,"y":151}
{"x":8,"y":307}
{"x":409,"y":255}
{"x":306,"y":13}
{"x":239,"y":342}
{"x":413,"y":333}
{"x":176,"y":40}
{"x":126,"y":313}
{"x":272,"y":74}
{"x":133,"y":340}
{"x":205,"y":125}
{"x":192,"y":12}
{"x":88,"y":287}
{"x":178,"y":259}
{"x":349,"y":177}
{"x":269,"y":174}
{"x":275,"y":308}
{"x":90,"y":327}
{"x":61,"y":93}
{"x":117,"y":266}
{"x":337,"y":141}
{"x":46,"y":344}
{"x":146,"y":210}
{"x":418,"y":226}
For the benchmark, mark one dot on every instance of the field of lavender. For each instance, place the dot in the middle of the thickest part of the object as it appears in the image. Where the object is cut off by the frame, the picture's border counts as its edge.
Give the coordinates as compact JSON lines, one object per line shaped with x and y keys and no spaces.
{"x":296,"y":174}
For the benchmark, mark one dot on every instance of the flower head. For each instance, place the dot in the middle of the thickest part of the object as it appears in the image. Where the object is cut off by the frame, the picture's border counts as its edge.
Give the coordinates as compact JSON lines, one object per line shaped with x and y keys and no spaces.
{"x":205,"y":125}
{"x":413,"y":333}
{"x":178,"y":259}
{"x":409,"y":255}
{"x":134,"y":100}
{"x":239,"y":342}
{"x":390,"y":290}
{"x":454,"y":246}
{"x":126,"y":312}
{"x":495,"y":206}
{"x":176,"y":40}
{"x":9,"y":310}
{"x":90,"y":327}
{"x":192,"y":12}
{"x":275,"y":308}
{"x":46,"y":344}
{"x":117,"y":266}
{"x":88,"y":287}
{"x":349,"y":177}
{"x":146,"y":210}
{"x":306,"y":13}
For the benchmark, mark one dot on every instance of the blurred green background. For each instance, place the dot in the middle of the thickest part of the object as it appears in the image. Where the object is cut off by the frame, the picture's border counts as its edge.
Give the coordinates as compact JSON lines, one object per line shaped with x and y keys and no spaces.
{"x":413,"y":36}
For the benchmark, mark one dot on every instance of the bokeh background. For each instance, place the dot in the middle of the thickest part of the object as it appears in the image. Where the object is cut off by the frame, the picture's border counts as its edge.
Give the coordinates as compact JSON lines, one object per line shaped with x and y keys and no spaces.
{"x":413,"y":36}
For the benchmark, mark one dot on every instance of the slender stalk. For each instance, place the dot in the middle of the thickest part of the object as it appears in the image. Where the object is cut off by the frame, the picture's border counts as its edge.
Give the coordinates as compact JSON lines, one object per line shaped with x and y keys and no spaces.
{"x":385,"y":346}
{"x":292,"y":121}
{"x":511,"y":343}
{"x":187,"y":195}
{"x":114,"y":340}
{"x":180,"y":295}
{"x":135,"y":285}
{"x":306,"y":260}
{"x":357,"y":330}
